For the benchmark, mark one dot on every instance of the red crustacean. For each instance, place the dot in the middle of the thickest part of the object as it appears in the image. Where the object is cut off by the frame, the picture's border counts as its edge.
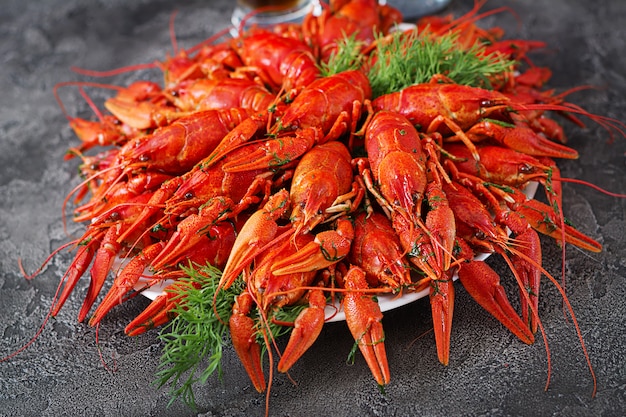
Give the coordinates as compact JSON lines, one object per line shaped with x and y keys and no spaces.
{"x":206,"y":94}
{"x":470,"y":114}
{"x":283,"y":63}
{"x":125,"y":281}
{"x":204,"y":182}
{"x":217,"y":60}
{"x":95,"y":133}
{"x":177,"y":147}
{"x":269,"y":292}
{"x":444,"y":108}
{"x":159,"y":311}
{"x":136,"y":106}
{"x":472,"y":217}
{"x":397,"y":164}
{"x":521,"y":251}
{"x":399,"y":167}
{"x":251,"y":161}
{"x":98,"y":244}
{"x":213,"y":247}
{"x":520,"y":138}
{"x":192,"y":96}
{"x":321,"y":181}
{"x":325,"y":110}
{"x":376,"y":249}
{"x":195,"y":187}
{"x":361,"y":19}
{"x":505,"y":166}
{"x":258,"y":231}
{"x":110,"y":196}
{"x":364,"y":317}
{"x":331,"y":105}
{"x":173,"y":149}
{"x":108,"y":129}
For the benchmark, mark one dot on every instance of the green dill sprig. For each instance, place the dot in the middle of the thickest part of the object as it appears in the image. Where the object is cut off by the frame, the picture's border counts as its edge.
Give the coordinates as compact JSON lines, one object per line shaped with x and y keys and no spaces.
{"x":348,"y":56}
{"x":196,"y":337}
{"x":406,"y":58}
{"x":196,"y":334}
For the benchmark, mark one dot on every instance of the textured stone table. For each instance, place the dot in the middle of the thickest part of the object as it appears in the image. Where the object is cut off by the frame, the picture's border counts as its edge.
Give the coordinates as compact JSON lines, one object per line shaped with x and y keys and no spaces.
{"x":490,"y":371}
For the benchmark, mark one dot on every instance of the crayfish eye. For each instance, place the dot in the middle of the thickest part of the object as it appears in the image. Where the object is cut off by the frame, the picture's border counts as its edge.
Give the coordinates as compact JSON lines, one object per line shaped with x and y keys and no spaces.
{"x":188,"y":196}
{"x":144,"y":158}
{"x":526,"y":169}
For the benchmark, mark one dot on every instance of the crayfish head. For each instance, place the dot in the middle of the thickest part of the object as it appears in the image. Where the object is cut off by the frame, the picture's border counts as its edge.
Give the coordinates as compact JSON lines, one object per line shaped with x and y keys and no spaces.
{"x":507,"y":166}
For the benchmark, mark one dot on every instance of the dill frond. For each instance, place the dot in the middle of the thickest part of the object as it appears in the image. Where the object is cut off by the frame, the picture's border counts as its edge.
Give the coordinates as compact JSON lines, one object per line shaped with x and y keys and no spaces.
{"x":195,"y":339}
{"x":196,"y":335}
{"x":406,"y":58}
{"x":348,"y":56}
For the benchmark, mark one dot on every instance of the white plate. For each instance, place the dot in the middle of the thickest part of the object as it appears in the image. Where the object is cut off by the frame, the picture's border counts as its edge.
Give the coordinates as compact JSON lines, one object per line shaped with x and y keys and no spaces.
{"x":388,"y":301}
{"x":335,"y":312}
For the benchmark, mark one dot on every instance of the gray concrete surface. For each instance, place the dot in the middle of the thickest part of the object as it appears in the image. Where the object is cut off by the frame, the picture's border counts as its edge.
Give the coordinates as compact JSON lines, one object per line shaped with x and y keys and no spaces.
{"x":490,"y":372}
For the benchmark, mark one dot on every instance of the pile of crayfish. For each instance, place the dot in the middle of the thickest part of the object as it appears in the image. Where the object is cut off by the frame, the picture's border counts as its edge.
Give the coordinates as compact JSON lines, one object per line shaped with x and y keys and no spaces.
{"x":309,"y":188}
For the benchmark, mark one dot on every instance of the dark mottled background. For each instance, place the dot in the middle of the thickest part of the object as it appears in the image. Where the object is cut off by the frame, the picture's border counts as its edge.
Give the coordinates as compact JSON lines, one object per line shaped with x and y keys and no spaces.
{"x":490,"y":372}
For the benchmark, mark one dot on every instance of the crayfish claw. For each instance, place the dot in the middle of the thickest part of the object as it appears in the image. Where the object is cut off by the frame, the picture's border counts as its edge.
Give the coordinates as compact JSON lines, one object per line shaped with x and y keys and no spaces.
{"x":543,"y":219}
{"x":442,"y":307}
{"x":327,"y":249}
{"x":259,"y":230}
{"x":307,"y":328}
{"x":364,"y":317}
{"x":483,"y":284}
{"x":243,"y":335}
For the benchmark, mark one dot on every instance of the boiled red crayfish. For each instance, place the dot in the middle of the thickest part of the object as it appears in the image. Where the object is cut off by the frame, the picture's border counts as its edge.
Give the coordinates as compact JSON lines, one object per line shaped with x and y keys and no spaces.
{"x":308,"y":189}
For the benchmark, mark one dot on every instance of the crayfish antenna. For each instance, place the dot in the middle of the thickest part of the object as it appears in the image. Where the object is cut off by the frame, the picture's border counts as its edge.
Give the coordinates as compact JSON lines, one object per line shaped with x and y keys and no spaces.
{"x":80,"y":85}
{"x":50,"y":311}
{"x":45,"y":262}
{"x":595,"y":187}
{"x":113,"y":72}
{"x":78,"y":189}
{"x":473,"y":16}
{"x":570,"y":309}
{"x":610,"y":124}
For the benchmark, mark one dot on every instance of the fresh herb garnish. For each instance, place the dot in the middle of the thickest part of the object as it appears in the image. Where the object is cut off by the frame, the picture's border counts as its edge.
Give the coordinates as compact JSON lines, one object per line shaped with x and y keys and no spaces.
{"x":402,"y":59}
{"x":348,"y":56}
{"x":198,"y":332}
{"x":406,"y":58}
{"x":197,"y":335}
